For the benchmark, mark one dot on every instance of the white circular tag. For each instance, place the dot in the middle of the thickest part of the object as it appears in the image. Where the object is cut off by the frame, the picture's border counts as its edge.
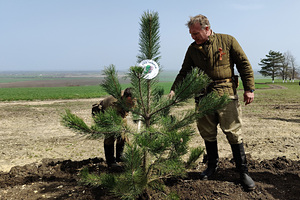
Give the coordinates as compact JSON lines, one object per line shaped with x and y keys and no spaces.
{"x":151,"y":68}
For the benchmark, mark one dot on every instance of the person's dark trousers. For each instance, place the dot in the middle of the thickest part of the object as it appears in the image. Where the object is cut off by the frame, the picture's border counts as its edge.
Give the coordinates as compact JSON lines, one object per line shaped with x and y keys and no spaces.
{"x":109,"y":154}
{"x":109,"y":150}
{"x":119,"y":148}
{"x":241,"y":165}
{"x":212,"y":160}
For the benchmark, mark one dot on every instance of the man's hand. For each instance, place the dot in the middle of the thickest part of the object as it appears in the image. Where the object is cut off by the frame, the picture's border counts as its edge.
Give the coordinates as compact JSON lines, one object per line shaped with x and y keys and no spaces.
{"x":248,"y":97}
{"x":171,"y":94}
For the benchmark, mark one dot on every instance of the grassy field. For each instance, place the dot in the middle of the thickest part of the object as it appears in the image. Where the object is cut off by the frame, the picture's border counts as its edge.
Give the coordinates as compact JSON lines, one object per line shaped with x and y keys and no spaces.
{"x":90,"y":91}
{"x":47,"y":93}
{"x":44,"y":93}
{"x":77,"y":92}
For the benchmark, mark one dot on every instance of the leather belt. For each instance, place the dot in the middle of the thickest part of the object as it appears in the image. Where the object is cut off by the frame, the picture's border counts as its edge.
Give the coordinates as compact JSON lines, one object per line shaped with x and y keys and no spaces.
{"x":226,"y":80}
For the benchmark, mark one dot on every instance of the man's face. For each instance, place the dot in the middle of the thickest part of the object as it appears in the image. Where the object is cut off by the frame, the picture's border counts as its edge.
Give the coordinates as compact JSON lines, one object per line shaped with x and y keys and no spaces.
{"x":198,"y":34}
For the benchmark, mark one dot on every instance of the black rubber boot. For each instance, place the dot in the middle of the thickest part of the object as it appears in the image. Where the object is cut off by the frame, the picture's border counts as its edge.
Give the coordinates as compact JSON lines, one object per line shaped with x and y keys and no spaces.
{"x":212,"y":160}
{"x":109,"y":154}
{"x":110,"y":159}
{"x":241,"y":165}
{"x":119,"y":149}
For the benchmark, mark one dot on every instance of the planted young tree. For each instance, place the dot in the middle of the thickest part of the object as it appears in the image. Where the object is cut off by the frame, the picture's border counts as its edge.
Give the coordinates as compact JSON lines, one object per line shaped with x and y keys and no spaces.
{"x":155,"y":152}
{"x":149,"y":43}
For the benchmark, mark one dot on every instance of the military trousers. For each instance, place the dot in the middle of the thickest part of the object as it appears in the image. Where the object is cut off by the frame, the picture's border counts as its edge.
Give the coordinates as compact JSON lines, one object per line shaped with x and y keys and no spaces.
{"x":229,"y":119}
{"x":111,"y":140}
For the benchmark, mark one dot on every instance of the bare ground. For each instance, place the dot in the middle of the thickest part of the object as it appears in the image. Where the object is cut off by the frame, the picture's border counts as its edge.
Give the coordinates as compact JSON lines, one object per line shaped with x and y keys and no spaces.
{"x":41,"y":159}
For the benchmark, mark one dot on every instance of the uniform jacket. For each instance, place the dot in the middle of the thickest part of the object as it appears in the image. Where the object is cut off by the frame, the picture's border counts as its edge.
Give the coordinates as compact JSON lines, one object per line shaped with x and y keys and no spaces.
{"x":217,"y":58}
{"x":110,"y":101}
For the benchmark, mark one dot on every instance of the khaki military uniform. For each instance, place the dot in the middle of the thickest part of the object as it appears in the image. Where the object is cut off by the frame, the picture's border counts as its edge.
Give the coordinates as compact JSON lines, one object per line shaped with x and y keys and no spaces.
{"x":217,"y":58}
{"x":110,"y":101}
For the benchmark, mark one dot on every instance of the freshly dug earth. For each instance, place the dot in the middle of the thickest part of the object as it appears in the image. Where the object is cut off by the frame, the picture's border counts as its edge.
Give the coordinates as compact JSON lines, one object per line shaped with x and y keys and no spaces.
{"x":41,"y":159}
{"x":58,"y":179}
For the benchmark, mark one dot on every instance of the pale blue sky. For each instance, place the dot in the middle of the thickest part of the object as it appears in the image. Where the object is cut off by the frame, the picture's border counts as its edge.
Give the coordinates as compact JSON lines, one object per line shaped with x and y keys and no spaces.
{"x":90,"y":34}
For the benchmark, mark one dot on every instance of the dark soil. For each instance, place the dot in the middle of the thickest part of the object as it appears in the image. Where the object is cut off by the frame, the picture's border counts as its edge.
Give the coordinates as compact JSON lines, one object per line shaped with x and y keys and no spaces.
{"x":59,"y":179}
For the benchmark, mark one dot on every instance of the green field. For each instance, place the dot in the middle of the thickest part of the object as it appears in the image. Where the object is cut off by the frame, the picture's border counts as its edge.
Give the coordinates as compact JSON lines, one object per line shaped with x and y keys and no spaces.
{"x":93,"y":91}
{"x":47,"y":93}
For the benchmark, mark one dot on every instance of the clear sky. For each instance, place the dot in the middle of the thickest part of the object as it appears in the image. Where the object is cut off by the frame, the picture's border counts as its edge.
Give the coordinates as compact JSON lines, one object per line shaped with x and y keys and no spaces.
{"x":91,"y":34}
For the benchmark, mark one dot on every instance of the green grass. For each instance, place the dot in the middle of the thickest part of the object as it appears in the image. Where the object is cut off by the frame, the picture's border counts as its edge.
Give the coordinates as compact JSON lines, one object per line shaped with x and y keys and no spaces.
{"x":269,"y":103}
{"x":47,"y":93}
{"x":44,"y":93}
{"x":78,"y":92}
{"x":291,"y":94}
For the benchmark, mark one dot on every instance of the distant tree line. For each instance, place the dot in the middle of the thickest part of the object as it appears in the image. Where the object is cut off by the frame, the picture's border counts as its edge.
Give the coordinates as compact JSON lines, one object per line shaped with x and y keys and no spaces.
{"x":277,"y":64}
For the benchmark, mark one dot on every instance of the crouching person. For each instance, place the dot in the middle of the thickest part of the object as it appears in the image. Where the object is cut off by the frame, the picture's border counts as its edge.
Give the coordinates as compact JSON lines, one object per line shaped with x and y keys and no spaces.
{"x":109,"y":149}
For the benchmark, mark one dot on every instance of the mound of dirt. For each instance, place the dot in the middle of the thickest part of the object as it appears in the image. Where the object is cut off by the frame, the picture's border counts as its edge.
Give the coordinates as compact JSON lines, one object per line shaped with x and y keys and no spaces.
{"x":59,"y":179}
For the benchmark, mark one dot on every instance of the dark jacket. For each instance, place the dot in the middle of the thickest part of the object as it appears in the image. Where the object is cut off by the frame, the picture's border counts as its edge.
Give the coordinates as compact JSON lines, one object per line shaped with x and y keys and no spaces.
{"x":109,"y":101}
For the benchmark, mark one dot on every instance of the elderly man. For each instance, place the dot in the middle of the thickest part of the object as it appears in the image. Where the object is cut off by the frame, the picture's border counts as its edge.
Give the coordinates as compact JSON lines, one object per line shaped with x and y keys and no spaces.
{"x":216,"y":54}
